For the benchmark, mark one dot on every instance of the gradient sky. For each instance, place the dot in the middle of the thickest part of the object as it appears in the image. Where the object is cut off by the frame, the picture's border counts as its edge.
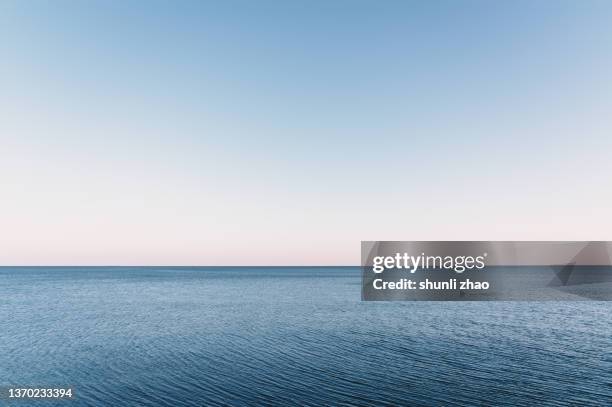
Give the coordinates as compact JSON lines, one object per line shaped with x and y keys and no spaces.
{"x":271,"y":133}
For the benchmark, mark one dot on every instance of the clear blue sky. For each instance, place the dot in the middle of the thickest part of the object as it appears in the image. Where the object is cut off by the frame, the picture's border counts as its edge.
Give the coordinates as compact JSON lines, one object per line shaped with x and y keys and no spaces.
{"x":255,"y":132}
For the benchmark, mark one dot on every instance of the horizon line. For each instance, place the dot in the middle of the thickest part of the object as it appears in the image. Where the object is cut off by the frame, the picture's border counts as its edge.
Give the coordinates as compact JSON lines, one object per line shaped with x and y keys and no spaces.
{"x":166,"y":265}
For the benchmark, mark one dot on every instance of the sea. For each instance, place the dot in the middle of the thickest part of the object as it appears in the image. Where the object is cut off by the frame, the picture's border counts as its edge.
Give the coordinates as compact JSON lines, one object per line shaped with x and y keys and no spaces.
{"x":288,"y":336}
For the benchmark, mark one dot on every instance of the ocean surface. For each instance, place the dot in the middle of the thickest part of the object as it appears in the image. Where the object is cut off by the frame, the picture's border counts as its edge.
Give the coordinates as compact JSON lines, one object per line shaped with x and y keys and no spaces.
{"x":289,"y":336}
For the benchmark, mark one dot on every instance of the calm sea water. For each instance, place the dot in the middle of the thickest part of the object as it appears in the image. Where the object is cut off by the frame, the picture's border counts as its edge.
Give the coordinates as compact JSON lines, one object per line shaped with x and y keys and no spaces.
{"x":289,"y":336}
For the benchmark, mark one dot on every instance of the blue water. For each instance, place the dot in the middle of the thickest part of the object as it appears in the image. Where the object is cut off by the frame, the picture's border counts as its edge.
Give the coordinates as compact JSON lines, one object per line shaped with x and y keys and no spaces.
{"x":289,"y":336}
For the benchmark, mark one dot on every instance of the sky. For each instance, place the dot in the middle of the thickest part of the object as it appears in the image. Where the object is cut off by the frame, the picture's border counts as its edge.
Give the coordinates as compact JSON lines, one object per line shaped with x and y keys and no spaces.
{"x":286,"y":132}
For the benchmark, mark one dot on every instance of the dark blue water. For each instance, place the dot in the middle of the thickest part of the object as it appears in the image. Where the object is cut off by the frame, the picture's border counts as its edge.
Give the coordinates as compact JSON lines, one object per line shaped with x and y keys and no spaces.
{"x":291,"y":336}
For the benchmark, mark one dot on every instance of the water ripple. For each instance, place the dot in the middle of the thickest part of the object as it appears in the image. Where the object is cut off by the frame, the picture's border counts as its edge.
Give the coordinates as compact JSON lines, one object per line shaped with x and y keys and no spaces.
{"x":187,"y":337}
